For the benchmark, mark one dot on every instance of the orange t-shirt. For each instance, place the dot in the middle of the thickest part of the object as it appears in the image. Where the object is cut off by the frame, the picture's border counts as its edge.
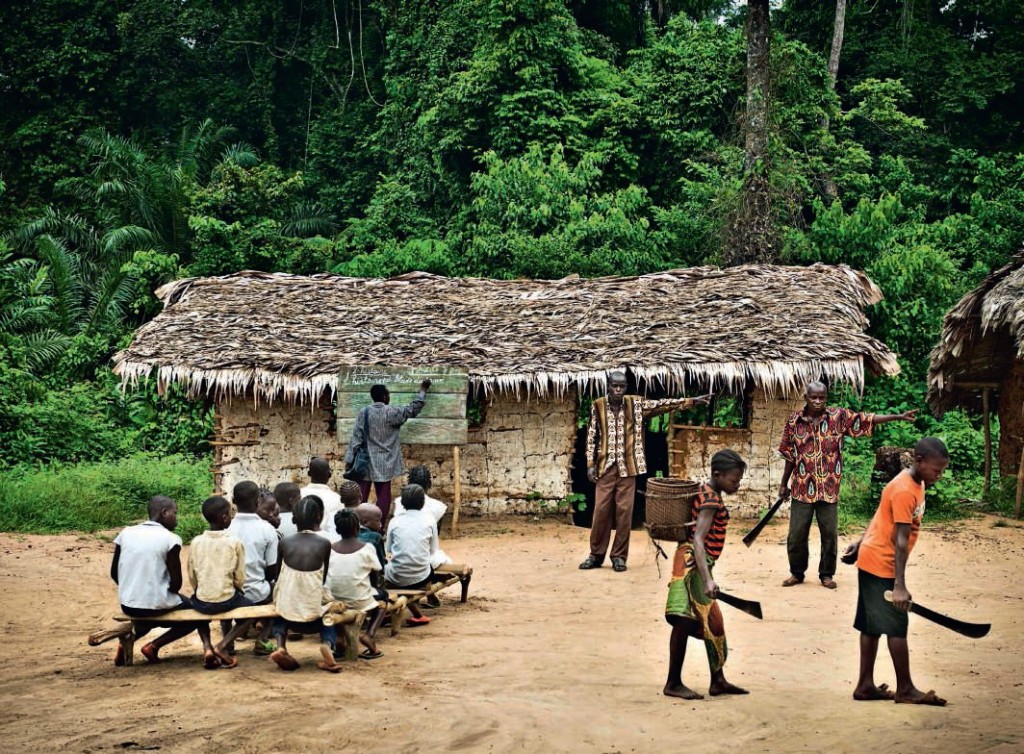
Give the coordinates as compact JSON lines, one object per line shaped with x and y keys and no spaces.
{"x":902,"y":503}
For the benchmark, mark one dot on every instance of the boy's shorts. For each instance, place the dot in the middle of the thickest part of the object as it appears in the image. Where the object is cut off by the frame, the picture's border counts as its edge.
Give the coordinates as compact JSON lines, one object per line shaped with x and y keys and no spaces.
{"x":875,"y":614}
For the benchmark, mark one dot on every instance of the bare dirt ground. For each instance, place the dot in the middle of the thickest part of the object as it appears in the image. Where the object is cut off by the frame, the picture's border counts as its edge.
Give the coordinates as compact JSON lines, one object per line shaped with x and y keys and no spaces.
{"x":543,"y":658}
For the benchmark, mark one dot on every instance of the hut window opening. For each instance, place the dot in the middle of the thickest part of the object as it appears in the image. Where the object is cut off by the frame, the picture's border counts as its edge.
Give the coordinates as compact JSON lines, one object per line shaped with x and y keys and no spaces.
{"x":725,"y":411}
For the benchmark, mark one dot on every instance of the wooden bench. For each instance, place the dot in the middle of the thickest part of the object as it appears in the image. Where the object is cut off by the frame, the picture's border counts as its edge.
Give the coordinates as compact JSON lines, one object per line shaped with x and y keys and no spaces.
{"x":335,"y":614}
{"x":455,"y":573}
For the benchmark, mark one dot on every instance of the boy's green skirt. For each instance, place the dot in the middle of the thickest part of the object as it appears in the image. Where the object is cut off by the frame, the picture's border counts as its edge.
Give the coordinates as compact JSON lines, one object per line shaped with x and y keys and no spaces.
{"x":687,"y":600}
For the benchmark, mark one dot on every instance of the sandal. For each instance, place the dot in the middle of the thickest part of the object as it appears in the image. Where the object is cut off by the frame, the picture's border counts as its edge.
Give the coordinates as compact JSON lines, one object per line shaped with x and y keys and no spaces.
{"x":417,"y":621}
{"x":366,"y":654}
{"x":263,"y":648}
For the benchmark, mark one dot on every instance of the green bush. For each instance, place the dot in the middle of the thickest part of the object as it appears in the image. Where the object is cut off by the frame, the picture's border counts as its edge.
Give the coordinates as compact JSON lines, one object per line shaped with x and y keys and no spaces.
{"x":103,"y":495}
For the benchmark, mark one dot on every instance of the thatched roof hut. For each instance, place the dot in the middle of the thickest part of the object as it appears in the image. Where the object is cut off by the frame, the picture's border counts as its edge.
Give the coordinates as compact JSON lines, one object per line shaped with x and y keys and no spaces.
{"x":285,"y":336}
{"x":980,"y":357}
{"x":268,"y":349}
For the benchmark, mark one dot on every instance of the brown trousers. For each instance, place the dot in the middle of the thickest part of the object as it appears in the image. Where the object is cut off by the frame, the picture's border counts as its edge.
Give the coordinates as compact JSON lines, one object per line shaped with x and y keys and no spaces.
{"x":613,"y":507}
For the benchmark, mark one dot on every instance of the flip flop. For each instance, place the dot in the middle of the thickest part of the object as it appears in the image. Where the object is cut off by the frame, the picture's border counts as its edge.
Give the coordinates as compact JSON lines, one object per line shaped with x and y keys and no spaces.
{"x":263,"y":648}
{"x":366,"y":654}
{"x":931,"y":698}
{"x":417,"y":621}
{"x":883,"y":694}
{"x":284,"y":660}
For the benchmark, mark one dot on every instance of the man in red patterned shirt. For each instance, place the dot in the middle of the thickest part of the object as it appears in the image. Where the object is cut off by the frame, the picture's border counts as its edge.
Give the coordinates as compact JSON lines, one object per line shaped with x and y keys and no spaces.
{"x":812,"y":446}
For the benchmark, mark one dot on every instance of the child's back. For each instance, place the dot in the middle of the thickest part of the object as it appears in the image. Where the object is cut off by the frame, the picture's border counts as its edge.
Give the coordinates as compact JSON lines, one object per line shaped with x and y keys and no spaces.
{"x":143,"y":580}
{"x":411,"y":540}
{"x":352,"y":563}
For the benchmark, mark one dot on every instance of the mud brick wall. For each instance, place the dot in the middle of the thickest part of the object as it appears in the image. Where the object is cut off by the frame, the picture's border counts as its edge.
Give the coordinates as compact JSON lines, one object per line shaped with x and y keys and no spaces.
{"x":517,"y":460}
{"x":691,"y":448}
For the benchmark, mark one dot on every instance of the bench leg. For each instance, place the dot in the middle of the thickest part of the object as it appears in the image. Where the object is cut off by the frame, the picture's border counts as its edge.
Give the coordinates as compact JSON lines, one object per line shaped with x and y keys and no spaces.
{"x":351,"y":634}
{"x":127,"y":642}
{"x":465,"y":588}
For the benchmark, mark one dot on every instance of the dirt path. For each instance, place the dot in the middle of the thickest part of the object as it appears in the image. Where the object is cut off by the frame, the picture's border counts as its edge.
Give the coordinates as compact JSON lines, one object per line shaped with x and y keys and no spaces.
{"x":543,"y":658}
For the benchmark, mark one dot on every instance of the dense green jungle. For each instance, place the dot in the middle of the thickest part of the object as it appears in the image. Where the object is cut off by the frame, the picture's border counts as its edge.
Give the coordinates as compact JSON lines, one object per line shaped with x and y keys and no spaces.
{"x":146,"y":140}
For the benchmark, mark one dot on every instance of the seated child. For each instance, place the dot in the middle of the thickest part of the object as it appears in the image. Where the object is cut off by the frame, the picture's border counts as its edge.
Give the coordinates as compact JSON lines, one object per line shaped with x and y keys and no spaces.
{"x":300,"y":593}
{"x":431,"y":506}
{"x":369,"y":529}
{"x":269,"y":510}
{"x":287,"y":495}
{"x":260,"y":541}
{"x":349,"y":574}
{"x":216,"y":563}
{"x":147,"y":570}
{"x":412,"y":543}
{"x":350,"y":494}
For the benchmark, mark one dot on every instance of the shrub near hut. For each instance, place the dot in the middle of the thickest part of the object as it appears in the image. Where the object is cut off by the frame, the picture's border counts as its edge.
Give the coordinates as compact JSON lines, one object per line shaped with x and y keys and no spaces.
{"x":103,"y":495}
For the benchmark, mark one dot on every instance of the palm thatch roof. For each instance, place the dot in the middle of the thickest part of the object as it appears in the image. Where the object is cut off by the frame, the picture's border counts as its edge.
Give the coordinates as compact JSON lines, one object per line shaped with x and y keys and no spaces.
{"x":981,"y":336}
{"x":285,"y":337}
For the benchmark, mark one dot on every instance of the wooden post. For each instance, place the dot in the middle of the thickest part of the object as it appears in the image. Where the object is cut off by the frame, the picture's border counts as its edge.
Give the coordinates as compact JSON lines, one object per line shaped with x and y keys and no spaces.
{"x":1020,"y":486}
{"x":988,"y":442}
{"x":457,"y":503}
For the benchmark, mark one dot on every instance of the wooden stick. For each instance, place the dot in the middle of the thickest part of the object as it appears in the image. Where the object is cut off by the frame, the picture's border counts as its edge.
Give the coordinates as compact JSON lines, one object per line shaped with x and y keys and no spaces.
{"x":101,"y":637}
{"x":457,"y":503}
{"x":988,"y":443}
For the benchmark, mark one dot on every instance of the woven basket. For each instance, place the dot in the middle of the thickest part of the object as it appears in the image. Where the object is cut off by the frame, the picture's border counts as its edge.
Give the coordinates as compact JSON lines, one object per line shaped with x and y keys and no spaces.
{"x":668,"y":508}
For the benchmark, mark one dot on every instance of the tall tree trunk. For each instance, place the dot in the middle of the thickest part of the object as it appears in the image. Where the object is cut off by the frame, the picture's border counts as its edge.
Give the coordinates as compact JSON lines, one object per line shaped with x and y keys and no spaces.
{"x":838,"y":28}
{"x":758,"y":83}
{"x":749,"y":234}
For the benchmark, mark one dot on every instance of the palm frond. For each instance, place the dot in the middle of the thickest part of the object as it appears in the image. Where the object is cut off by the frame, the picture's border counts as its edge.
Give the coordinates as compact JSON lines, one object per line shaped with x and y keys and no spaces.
{"x":309,"y":219}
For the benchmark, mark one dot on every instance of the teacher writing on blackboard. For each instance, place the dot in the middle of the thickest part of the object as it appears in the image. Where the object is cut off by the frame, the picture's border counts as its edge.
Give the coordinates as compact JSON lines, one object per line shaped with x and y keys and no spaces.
{"x":377,"y":427}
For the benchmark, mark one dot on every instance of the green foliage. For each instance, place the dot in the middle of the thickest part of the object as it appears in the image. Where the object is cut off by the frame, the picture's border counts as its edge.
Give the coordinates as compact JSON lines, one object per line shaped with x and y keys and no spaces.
{"x":541,"y":138}
{"x":105,"y":495}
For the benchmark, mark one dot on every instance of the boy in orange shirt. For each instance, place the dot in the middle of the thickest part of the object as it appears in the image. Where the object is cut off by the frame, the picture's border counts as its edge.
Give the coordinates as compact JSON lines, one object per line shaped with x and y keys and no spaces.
{"x":881,"y":557}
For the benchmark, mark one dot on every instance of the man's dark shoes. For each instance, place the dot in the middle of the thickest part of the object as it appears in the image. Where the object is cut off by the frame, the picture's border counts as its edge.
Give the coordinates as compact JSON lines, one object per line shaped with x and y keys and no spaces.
{"x":619,"y":564}
{"x":592,"y":561}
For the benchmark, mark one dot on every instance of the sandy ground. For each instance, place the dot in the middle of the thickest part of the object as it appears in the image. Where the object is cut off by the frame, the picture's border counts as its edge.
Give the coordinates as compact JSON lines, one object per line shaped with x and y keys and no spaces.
{"x":543,"y":658}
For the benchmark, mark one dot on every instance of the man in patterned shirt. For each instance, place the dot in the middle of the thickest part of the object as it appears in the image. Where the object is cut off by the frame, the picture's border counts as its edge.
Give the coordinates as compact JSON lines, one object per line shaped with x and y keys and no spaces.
{"x":812,"y":446}
{"x":615,"y":456}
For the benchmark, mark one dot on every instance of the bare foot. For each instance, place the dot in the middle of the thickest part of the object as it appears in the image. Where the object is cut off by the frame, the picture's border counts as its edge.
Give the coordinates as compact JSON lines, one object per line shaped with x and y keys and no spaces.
{"x":916,"y":696}
{"x":226,"y":661}
{"x":284,"y":660}
{"x":150,"y":653}
{"x":718,"y":688}
{"x":874,"y":693}
{"x":329,"y":664}
{"x":681,"y":691}
{"x":210,"y":660}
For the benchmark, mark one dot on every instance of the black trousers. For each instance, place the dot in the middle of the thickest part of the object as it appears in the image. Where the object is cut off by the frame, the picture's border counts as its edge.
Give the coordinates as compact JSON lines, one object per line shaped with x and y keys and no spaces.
{"x":800,"y":516}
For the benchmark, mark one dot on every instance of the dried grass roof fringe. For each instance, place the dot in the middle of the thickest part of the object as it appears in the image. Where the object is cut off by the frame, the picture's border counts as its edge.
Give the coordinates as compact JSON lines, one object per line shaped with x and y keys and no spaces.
{"x":284,"y":337}
{"x":980,"y":335}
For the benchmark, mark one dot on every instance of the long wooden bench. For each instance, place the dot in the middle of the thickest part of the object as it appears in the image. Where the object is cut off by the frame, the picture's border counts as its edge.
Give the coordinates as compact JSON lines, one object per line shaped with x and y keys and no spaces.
{"x":335,"y":614}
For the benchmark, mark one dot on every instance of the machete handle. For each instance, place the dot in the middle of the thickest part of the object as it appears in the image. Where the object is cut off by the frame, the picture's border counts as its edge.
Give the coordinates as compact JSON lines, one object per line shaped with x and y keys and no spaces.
{"x":888,"y":596}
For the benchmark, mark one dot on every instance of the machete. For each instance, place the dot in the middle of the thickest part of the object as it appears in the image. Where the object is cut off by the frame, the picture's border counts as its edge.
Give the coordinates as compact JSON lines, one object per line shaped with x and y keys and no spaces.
{"x":752,"y":534}
{"x":972,"y":630}
{"x":748,"y":606}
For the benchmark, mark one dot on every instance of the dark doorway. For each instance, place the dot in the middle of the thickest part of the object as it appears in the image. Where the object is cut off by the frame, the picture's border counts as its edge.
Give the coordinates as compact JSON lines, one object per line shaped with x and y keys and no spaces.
{"x":656,"y":447}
